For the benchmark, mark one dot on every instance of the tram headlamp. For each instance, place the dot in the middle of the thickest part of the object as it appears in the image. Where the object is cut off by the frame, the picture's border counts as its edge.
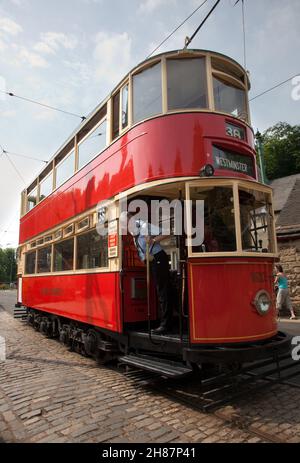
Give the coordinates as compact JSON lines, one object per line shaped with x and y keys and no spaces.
{"x":262,"y":302}
{"x":207,"y":171}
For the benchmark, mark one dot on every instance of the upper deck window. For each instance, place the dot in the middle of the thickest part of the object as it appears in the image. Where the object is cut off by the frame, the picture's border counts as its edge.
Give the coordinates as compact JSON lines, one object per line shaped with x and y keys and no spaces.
{"x":92,"y":145}
{"x":147,"y":93}
{"x":116,"y":115}
{"x":65,"y":169}
{"x":31,"y":199}
{"x":125,"y":106}
{"x":187,"y":86}
{"x":229,"y":98}
{"x":46,"y":186}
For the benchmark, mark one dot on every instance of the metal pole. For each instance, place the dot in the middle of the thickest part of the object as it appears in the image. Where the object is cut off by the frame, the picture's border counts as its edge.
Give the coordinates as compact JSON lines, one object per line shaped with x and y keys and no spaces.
{"x":260,"y":151}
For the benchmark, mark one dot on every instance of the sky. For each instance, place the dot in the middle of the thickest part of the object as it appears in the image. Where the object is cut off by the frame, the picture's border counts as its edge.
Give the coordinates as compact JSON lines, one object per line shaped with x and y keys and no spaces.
{"x":71,"y":53}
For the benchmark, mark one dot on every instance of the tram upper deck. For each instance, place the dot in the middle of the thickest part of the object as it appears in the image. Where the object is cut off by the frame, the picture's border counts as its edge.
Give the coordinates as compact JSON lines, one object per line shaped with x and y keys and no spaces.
{"x":169,"y":117}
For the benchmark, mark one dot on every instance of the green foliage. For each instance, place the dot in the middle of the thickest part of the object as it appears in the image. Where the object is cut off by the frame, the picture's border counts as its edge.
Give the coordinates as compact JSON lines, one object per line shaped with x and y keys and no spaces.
{"x":281,"y":145}
{"x":8,"y":265}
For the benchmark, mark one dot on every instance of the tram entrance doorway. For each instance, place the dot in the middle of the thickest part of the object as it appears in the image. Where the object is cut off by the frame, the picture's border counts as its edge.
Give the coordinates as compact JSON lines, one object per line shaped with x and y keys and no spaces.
{"x":141,"y":305}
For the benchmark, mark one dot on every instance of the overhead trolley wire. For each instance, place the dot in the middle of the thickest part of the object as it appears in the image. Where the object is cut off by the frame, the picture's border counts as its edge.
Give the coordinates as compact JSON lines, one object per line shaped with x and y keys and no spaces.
{"x":4,"y":151}
{"x":275,"y":86}
{"x":29,"y":100}
{"x":176,"y":29}
{"x":14,"y":167}
{"x":189,"y":39}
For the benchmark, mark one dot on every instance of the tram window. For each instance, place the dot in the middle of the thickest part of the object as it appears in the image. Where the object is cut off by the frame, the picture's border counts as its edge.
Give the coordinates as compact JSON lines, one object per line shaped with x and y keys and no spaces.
{"x":92,"y":145}
{"x":213,"y":219}
{"x":116,"y":115}
{"x":46,"y":186}
{"x":256,"y":221}
{"x":31,"y":199}
{"x":147,"y":93}
{"x":30,"y":259}
{"x":64,"y":255}
{"x":92,"y":250}
{"x":65,"y":169}
{"x":44,"y":260}
{"x":125,"y":106}
{"x":229,"y":98}
{"x":187,"y":87}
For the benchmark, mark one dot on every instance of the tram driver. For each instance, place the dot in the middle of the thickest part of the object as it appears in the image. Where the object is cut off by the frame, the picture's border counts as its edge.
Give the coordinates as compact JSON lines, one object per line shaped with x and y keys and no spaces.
{"x":147,"y":233}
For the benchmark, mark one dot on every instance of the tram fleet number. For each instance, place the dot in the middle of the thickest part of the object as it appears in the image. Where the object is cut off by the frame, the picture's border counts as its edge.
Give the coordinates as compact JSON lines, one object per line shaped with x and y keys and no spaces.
{"x":149,"y":452}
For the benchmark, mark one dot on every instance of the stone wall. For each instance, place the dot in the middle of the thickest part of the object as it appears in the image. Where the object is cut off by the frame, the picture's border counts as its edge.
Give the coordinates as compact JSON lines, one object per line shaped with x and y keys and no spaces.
{"x":289,"y":253}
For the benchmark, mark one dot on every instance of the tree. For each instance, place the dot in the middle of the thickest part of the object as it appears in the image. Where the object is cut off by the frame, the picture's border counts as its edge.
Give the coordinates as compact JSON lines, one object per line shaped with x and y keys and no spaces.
{"x":281,"y":145}
{"x":8,"y":265}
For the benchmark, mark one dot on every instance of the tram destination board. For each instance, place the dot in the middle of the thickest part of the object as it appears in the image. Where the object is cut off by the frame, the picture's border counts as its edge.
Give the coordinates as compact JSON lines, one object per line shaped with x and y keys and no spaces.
{"x":228,"y":160}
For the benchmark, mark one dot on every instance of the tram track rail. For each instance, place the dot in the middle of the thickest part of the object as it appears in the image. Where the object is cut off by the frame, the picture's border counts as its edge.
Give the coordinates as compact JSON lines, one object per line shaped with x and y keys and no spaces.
{"x":216,"y":394}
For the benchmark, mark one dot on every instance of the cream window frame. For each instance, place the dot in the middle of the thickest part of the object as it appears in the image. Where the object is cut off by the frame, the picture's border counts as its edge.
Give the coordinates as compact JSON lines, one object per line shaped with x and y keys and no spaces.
{"x":105,"y":118}
{"x":89,"y":270}
{"x":40,"y":183}
{"x":73,"y":150}
{"x":208,"y":84}
{"x":121,"y":128}
{"x":235,"y":184}
{"x":65,"y":233}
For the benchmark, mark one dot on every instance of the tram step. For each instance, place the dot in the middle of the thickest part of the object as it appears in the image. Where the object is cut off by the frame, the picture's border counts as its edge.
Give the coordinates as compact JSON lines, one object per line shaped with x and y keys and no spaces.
{"x":20,"y":312}
{"x":156,"y":365}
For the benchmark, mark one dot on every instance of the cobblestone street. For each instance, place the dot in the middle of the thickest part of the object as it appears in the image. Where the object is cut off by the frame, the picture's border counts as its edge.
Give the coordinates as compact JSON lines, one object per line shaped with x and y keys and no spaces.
{"x":48,"y":394}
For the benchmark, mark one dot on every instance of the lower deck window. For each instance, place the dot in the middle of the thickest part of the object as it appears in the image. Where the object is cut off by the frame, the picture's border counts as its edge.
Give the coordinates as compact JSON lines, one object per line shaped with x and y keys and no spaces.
{"x":30,"y":260}
{"x":92,"y":250}
{"x":256,"y":221}
{"x":44,"y":260}
{"x":64,"y":255}
{"x":213,"y":220}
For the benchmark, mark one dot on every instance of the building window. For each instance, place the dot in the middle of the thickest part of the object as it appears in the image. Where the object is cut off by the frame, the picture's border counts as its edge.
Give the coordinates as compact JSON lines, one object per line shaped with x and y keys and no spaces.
{"x":46,"y":186}
{"x":65,"y":169}
{"x":116,"y":115}
{"x":187,"y":87}
{"x":30,"y":259}
{"x":31,"y":199}
{"x":64,"y":255}
{"x":92,"y":145}
{"x":92,"y":250}
{"x":229,"y":98}
{"x":125,"y":106}
{"x":44,"y":260}
{"x":147,"y":93}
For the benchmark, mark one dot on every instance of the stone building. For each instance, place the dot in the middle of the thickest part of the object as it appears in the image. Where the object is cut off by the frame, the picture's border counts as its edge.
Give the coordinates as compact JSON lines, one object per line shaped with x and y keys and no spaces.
{"x":286,"y":192}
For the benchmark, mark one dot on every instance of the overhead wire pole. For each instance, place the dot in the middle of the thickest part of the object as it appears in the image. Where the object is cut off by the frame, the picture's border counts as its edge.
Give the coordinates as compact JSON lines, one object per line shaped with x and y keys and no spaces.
{"x":189,"y":39}
{"x":53,"y":108}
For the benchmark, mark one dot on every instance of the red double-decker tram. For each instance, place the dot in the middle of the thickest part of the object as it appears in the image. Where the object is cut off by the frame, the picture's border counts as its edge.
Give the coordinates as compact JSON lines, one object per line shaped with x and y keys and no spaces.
{"x":176,"y":128}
